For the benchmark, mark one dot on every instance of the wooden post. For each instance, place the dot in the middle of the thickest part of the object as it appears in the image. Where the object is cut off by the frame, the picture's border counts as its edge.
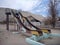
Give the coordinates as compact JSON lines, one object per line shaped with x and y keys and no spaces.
{"x":7,"y":20}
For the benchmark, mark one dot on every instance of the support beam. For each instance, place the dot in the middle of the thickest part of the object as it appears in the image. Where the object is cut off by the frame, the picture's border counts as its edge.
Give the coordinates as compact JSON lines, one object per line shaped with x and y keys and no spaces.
{"x":7,"y":20}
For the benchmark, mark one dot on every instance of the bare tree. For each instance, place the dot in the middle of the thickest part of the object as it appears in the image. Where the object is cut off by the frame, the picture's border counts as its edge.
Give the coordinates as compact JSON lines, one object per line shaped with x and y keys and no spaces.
{"x":53,"y":11}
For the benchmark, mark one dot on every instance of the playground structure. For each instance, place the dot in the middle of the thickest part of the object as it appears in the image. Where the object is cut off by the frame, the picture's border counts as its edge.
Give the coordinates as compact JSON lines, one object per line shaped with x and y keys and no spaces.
{"x":37,"y":33}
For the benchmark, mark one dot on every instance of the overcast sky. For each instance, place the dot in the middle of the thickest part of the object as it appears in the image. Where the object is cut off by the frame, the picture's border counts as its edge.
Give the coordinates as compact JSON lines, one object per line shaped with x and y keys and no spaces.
{"x":35,"y":6}
{"x":19,"y":4}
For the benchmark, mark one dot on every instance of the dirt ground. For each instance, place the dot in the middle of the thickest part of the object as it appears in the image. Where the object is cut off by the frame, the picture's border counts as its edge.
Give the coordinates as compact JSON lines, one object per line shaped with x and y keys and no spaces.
{"x":8,"y":38}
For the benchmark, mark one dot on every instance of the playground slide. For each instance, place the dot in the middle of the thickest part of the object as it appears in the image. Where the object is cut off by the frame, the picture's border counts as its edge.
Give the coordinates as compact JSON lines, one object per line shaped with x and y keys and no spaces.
{"x":38,"y":29}
{"x":19,"y":20}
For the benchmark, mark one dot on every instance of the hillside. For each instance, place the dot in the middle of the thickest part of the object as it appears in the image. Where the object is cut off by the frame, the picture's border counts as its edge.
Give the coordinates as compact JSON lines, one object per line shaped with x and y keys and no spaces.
{"x":3,"y":15}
